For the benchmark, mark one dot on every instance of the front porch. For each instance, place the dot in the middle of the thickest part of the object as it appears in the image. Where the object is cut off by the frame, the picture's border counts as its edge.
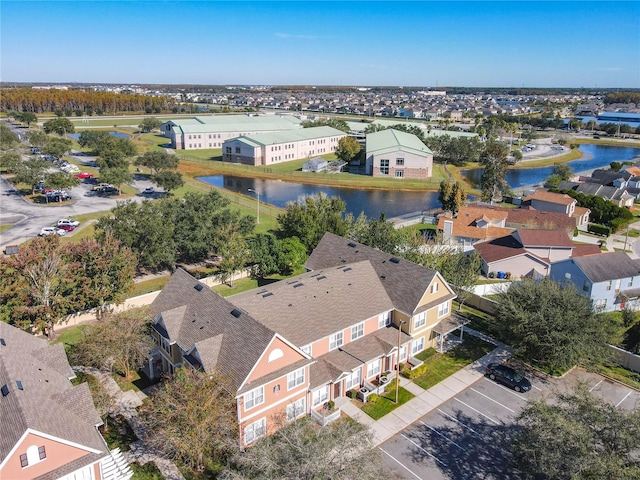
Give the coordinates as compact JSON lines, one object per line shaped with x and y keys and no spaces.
{"x":443,"y":330}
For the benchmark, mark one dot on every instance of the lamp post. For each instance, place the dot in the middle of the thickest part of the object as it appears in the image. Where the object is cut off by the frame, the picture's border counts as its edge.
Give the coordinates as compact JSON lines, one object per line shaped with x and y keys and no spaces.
{"x":258,"y":208}
{"x":402,"y":322}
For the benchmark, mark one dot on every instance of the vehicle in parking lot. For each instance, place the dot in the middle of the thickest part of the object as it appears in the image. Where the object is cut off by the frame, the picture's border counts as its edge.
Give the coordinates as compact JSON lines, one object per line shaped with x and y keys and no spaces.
{"x":149,"y":190}
{"x":101,"y":186}
{"x":66,"y":227}
{"x":57,"y":195}
{"x":508,"y":376}
{"x":51,"y":231}
{"x":83,"y":175}
{"x":68,"y":221}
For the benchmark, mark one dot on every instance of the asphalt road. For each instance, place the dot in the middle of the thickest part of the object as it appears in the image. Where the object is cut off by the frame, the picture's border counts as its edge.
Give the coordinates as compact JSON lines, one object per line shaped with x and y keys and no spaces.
{"x":467,"y":438}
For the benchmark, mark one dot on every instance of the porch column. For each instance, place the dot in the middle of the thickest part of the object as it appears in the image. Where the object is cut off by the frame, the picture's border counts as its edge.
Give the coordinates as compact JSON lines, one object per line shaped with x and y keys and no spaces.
{"x":461,"y":331}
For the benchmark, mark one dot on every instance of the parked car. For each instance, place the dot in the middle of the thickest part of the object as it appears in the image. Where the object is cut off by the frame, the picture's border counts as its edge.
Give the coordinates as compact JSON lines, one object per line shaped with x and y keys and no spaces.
{"x":509,"y":377}
{"x":66,"y":227}
{"x":68,"y":221}
{"x":149,"y":190}
{"x":57,"y":195}
{"x":101,"y":186}
{"x":83,"y":175}
{"x":51,"y":231}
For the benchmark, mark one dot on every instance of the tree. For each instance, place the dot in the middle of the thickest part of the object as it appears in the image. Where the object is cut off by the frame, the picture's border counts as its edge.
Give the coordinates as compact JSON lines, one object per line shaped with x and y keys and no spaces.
{"x":348,"y":148}
{"x":494,"y":160}
{"x":265,"y":253}
{"x":60,"y":181}
{"x":461,"y":271}
{"x":149,"y":124}
{"x":310,"y":218}
{"x":304,"y":450}
{"x":378,"y":233}
{"x":118,"y":343}
{"x":192,"y":417}
{"x":8,"y":139}
{"x":168,"y":180}
{"x":27,"y":117}
{"x":235,"y":254}
{"x":329,"y":122}
{"x":30,"y":172}
{"x":451,"y":196}
{"x":57,"y":147}
{"x":10,"y":161}
{"x":37,"y":138}
{"x":61,"y":126}
{"x":292,"y":256}
{"x":116,"y":176}
{"x":552,"y":325}
{"x":157,"y":161}
{"x":577,"y":436}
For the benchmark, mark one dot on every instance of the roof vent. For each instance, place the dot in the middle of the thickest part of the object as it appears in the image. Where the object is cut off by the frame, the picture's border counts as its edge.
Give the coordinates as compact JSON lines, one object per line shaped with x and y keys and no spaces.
{"x":19,"y":385}
{"x":348,"y":269}
{"x":394,"y":260}
{"x":321,"y":277}
{"x":383,"y":276}
{"x":2,"y":342}
{"x":351,"y":244}
{"x":268,"y":294}
{"x":4,"y":390}
{"x":236,"y":313}
{"x":298,"y":285}
{"x":199,"y":287}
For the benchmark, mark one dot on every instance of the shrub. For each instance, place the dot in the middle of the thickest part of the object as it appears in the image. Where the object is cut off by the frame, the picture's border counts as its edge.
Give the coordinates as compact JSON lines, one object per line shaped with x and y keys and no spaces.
{"x":416,"y":372}
{"x":599,"y":229}
{"x":351,"y":394}
{"x":373,"y":398}
{"x":628,"y":317}
{"x":331,"y":404}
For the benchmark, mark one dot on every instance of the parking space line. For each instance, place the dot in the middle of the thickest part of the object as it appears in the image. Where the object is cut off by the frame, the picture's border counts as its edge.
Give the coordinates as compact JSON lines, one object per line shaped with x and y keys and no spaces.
{"x":459,"y":422}
{"x":446,"y":438}
{"x":593,"y":388}
{"x":509,"y":390}
{"x":625,"y":397}
{"x":418,"y":446}
{"x":477,"y":411}
{"x":401,"y":464}
{"x":494,"y":401}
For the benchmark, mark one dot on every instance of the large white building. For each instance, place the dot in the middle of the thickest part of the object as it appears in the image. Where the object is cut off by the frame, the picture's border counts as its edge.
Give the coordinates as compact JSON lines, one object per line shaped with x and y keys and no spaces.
{"x":212,"y":131}
{"x":392,"y":153}
{"x":282,"y":146}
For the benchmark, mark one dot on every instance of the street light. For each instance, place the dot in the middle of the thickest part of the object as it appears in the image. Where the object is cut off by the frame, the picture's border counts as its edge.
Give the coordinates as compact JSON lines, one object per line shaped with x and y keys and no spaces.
{"x":402,"y":322}
{"x":258,"y":208}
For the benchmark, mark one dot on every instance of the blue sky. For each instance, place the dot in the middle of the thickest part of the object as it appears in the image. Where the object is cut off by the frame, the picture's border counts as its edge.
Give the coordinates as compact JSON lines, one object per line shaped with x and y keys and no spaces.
{"x":531,"y":44}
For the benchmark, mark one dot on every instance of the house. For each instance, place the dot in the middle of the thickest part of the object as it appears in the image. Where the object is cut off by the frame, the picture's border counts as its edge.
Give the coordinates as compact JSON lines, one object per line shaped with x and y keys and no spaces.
{"x":527,"y":252}
{"x":211,"y":131}
{"x":473,"y":224}
{"x":292,"y":346}
{"x":611,"y":280}
{"x":396,"y":154}
{"x":278,"y":147}
{"x":545,"y":201}
{"x":48,"y":427}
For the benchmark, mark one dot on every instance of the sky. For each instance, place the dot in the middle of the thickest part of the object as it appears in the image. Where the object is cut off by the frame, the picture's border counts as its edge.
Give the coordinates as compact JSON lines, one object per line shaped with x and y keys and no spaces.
{"x":591,"y":44}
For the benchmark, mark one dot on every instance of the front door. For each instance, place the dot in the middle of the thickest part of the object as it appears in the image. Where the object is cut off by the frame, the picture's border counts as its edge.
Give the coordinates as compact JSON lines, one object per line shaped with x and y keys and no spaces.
{"x":337,"y":390}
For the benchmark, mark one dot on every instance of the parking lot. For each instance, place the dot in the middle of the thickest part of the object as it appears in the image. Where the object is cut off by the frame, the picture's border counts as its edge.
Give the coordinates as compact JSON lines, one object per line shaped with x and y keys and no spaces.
{"x":466,"y":437}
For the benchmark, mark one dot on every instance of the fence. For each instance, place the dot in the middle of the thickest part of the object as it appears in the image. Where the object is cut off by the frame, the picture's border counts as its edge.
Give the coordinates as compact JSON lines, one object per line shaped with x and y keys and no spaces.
{"x":483,"y":304}
{"x":626,"y":359}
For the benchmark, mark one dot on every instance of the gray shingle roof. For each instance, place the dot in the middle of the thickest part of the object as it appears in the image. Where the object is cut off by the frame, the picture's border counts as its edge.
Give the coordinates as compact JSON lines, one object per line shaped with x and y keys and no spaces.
{"x":313,"y":305}
{"x":404,"y":281}
{"x":608,"y":266}
{"x":195,"y":316}
{"x":48,"y":402}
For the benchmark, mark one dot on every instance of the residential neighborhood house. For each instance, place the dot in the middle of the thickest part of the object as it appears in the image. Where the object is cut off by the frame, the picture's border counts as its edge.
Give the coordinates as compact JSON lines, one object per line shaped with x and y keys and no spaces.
{"x":545,"y":201}
{"x":611,"y":280}
{"x":292,"y":346}
{"x":48,"y":427}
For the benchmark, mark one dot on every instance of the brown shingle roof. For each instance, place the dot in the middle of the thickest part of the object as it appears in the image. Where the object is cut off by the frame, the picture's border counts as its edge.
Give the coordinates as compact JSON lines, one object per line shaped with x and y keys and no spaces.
{"x":543,"y":238}
{"x":580,"y":250}
{"x":532,"y":218}
{"x":313,"y":305}
{"x":48,"y":402}
{"x":543,"y":195}
{"x":405,"y":282}
{"x":499,"y":249}
{"x":200,"y":314}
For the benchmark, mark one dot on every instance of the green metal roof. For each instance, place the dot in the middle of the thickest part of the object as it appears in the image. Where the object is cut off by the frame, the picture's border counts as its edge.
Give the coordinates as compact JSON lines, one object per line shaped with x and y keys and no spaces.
{"x":237,"y":123}
{"x":392,"y":140}
{"x":291,"y":135}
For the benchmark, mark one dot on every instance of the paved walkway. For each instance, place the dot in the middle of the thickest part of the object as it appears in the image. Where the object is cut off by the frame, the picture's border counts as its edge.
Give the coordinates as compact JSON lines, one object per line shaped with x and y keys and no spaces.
{"x":426,"y":401}
{"x":127,"y":402}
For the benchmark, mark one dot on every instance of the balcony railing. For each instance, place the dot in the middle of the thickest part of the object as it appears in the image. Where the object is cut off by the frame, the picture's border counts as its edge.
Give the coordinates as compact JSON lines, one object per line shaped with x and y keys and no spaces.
{"x":325,"y":417}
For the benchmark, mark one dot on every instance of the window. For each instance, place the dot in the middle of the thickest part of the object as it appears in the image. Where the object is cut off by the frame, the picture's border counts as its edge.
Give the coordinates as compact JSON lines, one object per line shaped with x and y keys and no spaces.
{"x":630,"y":284}
{"x":399,"y":174}
{"x":609,"y":285}
{"x":295,"y":378}
{"x":400,"y":161}
{"x":384,"y":167}
{"x":228,"y":150}
{"x":384,"y":319}
{"x":586,"y":286}
{"x":295,"y":409}
{"x":253,"y":398}
{"x":434,"y":287}
{"x":254,"y":431}
{"x":601,"y":304}
{"x":357,"y":331}
{"x":374,"y":368}
{"x":320,"y":396}
{"x":23,"y":460}
{"x":166,"y":346}
{"x":353,"y":380}
{"x":417,"y":345}
{"x":42,"y":453}
{"x":443,"y":309}
{"x":335,"y":341}
{"x":420,"y":320}
{"x":403,"y":352}
{"x":237,"y":149}
{"x":306,"y":349}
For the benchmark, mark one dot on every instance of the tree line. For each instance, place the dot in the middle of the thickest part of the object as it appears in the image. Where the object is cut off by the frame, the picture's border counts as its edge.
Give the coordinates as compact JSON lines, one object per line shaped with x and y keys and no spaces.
{"x":87,"y":102}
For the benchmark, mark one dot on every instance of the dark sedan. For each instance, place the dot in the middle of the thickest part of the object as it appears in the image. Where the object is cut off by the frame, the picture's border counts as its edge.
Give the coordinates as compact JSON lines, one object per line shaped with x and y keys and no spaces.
{"x":509,"y":377}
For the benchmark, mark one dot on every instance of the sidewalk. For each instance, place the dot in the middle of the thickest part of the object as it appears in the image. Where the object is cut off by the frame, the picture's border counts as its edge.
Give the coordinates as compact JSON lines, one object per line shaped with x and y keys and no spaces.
{"x":425,"y":401}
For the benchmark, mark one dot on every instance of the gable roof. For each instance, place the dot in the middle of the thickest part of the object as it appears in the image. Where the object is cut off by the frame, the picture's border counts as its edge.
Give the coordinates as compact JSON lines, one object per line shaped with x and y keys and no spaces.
{"x":48,"y":402}
{"x":499,"y":249}
{"x":550,"y":197}
{"x":543,"y":238}
{"x":532,"y":218}
{"x":405,"y":282}
{"x":393,"y":140}
{"x":313,"y":305}
{"x":608,"y":266}
{"x":194,"y":315}
{"x":235,"y":123}
{"x":272,"y":138}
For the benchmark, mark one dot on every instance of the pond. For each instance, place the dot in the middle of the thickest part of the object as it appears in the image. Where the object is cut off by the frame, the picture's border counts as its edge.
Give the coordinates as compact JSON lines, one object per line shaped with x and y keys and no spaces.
{"x":76,"y":136}
{"x":594,"y":156}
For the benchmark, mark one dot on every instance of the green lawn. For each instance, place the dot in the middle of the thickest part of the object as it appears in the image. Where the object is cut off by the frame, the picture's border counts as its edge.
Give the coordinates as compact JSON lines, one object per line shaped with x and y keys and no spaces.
{"x":148,"y":286}
{"x":440,"y":366}
{"x":70,"y":336}
{"x":383,"y":404}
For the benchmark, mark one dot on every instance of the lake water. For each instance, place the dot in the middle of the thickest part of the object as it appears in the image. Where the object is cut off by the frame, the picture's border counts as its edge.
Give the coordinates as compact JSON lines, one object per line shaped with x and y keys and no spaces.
{"x":594,"y":156}
{"x":76,"y":136}
{"x":394,"y":203}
